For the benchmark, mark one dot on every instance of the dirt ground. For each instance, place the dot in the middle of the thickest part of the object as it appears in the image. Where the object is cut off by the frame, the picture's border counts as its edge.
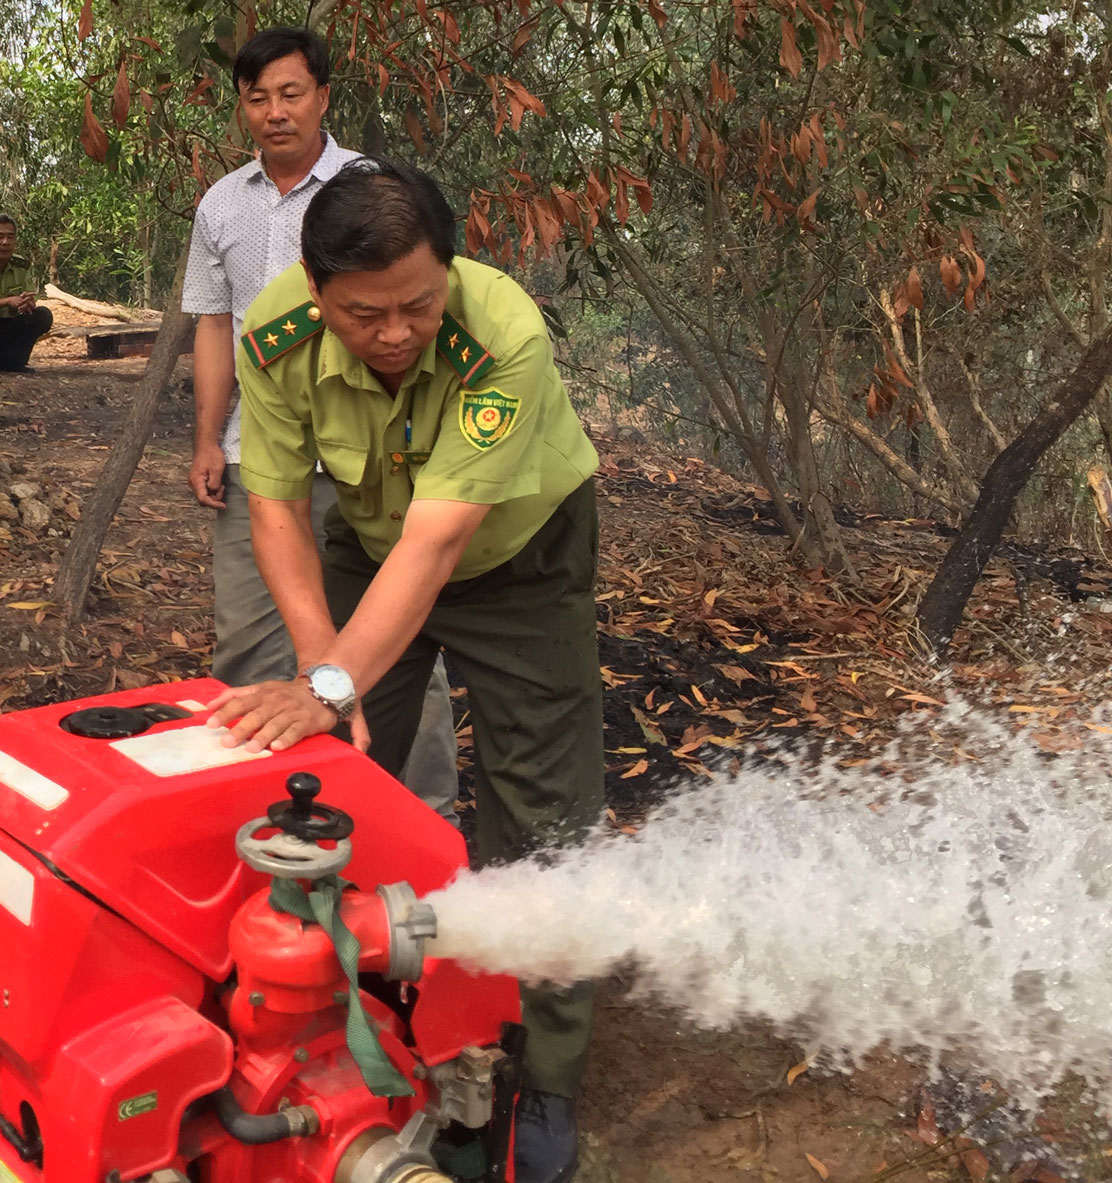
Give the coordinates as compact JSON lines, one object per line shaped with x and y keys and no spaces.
{"x":709,"y":650}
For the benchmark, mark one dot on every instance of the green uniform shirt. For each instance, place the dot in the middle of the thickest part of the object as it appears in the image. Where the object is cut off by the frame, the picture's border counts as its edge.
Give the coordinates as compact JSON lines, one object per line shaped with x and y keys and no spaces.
{"x":509,"y":439}
{"x":15,"y":279}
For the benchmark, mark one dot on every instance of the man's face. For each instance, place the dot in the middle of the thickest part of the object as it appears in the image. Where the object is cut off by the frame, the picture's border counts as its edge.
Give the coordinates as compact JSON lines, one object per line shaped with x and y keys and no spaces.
{"x":385,"y":318}
{"x":7,"y":242}
{"x":284,"y":107}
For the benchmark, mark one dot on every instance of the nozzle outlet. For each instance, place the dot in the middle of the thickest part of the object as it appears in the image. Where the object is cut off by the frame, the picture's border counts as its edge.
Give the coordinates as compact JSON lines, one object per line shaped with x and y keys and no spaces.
{"x":412,"y":922}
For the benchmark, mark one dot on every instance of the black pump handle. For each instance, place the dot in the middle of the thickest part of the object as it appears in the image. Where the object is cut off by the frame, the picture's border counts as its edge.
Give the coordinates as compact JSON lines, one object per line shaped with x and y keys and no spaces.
{"x":303,"y":817}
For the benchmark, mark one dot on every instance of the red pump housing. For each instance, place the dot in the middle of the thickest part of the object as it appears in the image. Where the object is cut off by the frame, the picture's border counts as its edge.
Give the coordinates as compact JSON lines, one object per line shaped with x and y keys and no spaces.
{"x":159,"y":1017}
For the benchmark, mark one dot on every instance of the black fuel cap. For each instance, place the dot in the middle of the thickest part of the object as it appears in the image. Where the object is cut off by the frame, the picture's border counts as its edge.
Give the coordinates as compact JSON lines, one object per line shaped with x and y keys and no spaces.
{"x":115,"y":722}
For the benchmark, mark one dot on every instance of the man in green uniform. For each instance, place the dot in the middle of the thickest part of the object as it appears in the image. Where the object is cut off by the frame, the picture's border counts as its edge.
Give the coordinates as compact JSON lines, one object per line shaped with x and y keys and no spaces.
{"x":21,"y":322}
{"x":466,"y":519}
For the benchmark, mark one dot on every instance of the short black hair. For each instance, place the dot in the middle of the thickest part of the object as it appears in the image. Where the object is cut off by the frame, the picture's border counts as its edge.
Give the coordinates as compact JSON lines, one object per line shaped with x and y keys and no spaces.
{"x":7,"y":220}
{"x":279,"y":42}
{"x":372,"y":213}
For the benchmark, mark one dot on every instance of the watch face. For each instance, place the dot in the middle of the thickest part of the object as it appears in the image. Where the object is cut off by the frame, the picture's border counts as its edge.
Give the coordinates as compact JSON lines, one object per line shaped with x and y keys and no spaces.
{"x":332,"y":682}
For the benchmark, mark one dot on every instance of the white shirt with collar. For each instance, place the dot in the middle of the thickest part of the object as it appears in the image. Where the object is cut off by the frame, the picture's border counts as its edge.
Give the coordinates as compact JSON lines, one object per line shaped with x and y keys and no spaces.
{"x":246,"y":233}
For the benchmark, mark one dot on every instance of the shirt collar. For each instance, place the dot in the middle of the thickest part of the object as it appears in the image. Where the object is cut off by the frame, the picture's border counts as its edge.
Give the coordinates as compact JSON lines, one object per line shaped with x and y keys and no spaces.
{"x":324,"y":167}
{"x":335,"y":361}
{"x":426,"y":363}
{"x":329,"y":162}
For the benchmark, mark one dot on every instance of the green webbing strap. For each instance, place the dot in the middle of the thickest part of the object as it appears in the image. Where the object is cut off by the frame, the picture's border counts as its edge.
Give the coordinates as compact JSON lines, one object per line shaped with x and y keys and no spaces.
{"x":322,"y":906}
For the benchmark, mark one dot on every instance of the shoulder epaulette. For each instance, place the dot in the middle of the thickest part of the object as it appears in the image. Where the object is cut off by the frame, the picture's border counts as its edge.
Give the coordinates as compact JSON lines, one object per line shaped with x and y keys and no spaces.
{"x":462,"y":352}
{"x":19,"y":261}
{"x":268,"y":342}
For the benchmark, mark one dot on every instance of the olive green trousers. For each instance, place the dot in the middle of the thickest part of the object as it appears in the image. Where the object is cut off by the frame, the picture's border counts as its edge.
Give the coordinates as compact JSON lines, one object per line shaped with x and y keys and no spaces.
{"x":523,"y":637}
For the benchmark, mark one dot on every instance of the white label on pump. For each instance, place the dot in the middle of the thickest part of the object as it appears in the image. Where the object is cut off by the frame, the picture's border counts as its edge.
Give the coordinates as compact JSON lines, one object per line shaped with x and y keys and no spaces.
{"x":184,"y":750}
{"x":30,"y":784}
{"x":190,"y":704}
{"x":17,"y":889}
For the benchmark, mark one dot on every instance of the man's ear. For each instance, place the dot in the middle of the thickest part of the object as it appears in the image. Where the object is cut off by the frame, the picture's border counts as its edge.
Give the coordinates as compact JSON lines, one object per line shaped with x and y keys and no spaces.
{"x":314,"y":291}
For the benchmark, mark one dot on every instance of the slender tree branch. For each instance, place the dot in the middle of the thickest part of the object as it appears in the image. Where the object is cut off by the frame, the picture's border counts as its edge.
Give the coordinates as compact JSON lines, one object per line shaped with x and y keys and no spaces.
{"x":954,"y":465}
{"x":1059,"y":313}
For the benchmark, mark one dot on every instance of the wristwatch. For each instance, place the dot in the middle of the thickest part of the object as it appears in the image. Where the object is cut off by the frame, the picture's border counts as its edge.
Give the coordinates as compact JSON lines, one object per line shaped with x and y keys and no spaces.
{"x":333,"y":686}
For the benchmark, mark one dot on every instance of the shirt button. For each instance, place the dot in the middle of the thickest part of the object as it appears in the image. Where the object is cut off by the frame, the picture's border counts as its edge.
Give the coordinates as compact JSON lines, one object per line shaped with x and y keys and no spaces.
{"x":395,"y":469}
{"x":395,"y":516}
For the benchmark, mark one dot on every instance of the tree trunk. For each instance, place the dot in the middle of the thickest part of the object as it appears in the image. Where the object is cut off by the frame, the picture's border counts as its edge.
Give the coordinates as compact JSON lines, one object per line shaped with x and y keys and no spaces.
{"x":147,"y":294}
{"x":1104,"y":418}
{"x":78,"y":565}
{"x":941,"y":608}
{"x":818,"y":510}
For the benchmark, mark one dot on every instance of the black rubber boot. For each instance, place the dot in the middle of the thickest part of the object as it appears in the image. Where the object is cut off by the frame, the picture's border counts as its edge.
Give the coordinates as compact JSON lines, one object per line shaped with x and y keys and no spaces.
{"x":546,"y":1142}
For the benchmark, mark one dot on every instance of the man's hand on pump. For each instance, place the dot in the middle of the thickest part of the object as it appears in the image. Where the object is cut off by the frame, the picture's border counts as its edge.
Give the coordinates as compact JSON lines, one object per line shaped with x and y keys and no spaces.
{"x":276,"y":715}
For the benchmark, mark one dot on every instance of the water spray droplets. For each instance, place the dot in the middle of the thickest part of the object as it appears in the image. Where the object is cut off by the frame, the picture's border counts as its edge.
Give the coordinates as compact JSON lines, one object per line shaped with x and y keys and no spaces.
{"x":908,"y":902}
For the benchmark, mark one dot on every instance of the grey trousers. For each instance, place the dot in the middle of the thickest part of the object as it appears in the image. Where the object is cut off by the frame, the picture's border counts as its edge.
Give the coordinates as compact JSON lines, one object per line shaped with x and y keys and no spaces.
{"x":252,"y":644}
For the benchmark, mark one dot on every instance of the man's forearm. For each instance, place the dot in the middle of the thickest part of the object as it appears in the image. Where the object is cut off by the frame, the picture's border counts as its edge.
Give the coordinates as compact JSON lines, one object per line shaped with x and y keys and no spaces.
{"x":402,"y":594}
{"x":214,"y":376}
{"x":389,"y":615}
{"x":287,"y":557}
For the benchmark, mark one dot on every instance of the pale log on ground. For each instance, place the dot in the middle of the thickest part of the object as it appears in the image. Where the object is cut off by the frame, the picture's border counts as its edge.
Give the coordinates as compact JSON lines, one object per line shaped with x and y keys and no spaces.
{"x":98,"y":307}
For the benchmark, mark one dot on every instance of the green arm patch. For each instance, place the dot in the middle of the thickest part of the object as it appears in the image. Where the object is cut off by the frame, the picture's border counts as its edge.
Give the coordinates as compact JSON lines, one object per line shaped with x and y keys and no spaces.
{"x":462,"y":352}
{"x":270,"y":341}
{"x":486,"y":416}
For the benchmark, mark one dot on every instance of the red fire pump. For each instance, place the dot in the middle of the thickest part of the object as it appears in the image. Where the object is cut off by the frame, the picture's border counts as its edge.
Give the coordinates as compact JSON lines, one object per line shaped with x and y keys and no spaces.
{"x":188,"y":991}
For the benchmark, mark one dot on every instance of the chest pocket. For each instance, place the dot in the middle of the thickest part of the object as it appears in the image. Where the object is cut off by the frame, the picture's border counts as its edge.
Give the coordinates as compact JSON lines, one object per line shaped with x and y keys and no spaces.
{"x":354,"y":473}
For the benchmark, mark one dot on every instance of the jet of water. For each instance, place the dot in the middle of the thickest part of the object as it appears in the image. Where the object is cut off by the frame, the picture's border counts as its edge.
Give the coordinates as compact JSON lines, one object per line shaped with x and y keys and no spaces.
{"x":910,"y":902}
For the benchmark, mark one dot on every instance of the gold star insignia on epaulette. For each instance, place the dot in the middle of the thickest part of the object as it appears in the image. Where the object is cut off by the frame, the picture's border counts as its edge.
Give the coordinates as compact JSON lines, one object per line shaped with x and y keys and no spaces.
{"x":264,"y":345}
{"x":462,"y":352}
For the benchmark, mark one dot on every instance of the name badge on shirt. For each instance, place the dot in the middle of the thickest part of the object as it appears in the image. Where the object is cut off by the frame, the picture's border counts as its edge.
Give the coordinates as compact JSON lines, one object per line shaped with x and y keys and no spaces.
{"x":410,"y":457}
